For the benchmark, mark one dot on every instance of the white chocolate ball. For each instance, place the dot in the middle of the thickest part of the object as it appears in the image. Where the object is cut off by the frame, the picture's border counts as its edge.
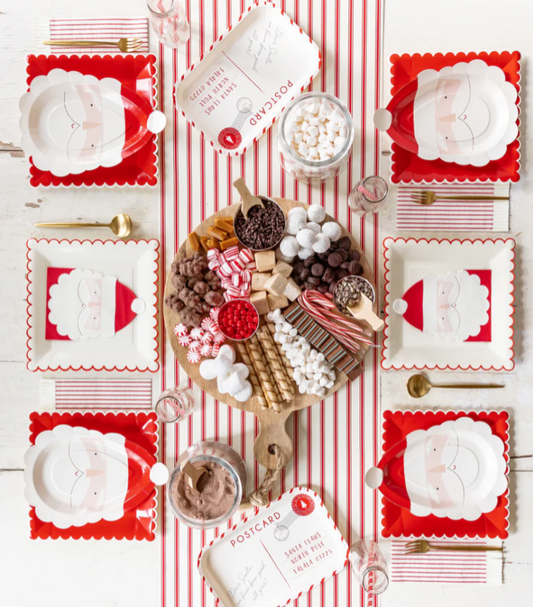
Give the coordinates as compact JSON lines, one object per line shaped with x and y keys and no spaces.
{"x":321,"y":244}
{"x":289,"y":246}
{"x":332,"y":230}
{"x":305,"y":253}
{"x":316,"y":213}
{"x":297,"y":212}
{"x":306,"y":238}
{"x":314,"y":227}
{"x":295,"y":224}
{"x":285,"y":258}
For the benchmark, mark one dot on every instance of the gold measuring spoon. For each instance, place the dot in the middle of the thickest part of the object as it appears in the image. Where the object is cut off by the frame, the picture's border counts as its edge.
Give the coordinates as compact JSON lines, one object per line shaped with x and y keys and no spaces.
{"x":419,"y":386}
{"x":121,"y":225}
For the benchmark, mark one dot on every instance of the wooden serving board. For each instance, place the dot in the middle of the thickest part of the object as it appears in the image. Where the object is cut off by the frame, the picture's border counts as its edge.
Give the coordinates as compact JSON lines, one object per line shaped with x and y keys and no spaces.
{"x":272,"y":425}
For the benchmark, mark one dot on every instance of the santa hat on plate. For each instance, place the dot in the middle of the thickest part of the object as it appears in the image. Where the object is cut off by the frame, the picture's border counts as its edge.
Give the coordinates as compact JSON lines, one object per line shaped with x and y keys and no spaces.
{"x":418,"y":305}
{"x":398,"y":117}
{"x":389,"y":476}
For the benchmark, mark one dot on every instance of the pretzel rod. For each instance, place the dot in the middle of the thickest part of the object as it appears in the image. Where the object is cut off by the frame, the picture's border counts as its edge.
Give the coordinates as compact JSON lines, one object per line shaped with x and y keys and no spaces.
{"x":322,"y":309}
{"x":277,"y":369}
{"x":286,"y":363}
{"x":258,"y":391}
{"x":253,"y":347}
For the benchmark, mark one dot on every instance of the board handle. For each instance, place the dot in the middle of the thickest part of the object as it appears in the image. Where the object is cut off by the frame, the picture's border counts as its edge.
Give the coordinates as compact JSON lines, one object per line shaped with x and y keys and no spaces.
{"x":273,"y":432}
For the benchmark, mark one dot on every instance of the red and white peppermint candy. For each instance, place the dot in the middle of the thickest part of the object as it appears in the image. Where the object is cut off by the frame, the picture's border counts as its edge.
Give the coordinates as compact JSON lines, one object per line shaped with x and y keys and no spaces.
{"x":214,"y":313}
{"x":251,"y":266}
{"x":214,"y":264}
{"x":195,"y":346}
{"x":215,"y":350}
{"x":193,"y":357}
{"x":236,"y":280}
{"x":233,"y":292}
{"x":213,"y":329}
{"x":237,"y":265}
{"x":197,"y":333}
{"x":225,"y":270}
{"x":207,"y":338}
{"x":219,"y":338}
{"x":206,"y":350}
{"x":231,"y":253}
{"x":246,"y":276}
{"x":246,"y":255}
{"x":213,"y":254}
{"x":181,"y":329}
{"x":245,"y":289}
{"x":206,"y":323}
{"x":184,"y":340}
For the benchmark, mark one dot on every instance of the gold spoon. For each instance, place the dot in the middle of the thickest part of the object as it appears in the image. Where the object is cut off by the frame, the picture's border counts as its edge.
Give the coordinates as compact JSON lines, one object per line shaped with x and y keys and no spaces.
{"x":121,"y":225}
{"x":418,"y":386}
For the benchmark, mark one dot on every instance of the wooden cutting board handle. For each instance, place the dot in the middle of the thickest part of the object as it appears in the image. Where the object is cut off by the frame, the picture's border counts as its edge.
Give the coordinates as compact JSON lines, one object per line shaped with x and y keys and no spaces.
{"x":273,"y":431}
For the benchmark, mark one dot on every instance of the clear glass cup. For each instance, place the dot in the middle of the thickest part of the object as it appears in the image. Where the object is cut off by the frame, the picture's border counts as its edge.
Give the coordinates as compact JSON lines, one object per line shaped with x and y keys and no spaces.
{"x":309,"y":171}
{"x":369,"y":195}
{"x":174,"y":404}
{"x":218,"y":453}
{"x":368,"y":566}
{"x":169,"y":22}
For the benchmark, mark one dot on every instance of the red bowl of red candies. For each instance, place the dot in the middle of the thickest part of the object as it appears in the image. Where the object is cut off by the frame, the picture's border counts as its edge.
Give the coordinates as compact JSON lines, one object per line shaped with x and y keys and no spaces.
{"x":238,"y":319}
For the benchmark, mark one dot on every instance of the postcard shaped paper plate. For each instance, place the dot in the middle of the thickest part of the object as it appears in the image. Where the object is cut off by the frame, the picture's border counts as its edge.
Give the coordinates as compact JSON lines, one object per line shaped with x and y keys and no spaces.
{"x":444,"y":474}
{"x":275,"y":556}
{"x":93,"y":475}
{"x":449,"y":304}
{"x":92,"y":305}
{"x":454,"y":117}
{"x":91,"y":120}
{"x":241,"y":85}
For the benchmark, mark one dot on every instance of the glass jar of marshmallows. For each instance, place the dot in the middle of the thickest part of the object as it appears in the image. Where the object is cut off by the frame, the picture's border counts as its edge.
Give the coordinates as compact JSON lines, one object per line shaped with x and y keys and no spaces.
{"x":315,"y":137}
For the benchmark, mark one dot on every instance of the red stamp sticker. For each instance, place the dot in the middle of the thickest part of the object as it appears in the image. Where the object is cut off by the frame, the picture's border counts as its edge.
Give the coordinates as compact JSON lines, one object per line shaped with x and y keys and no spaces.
{"x":229,"y":138}
{"x":303,"y":504}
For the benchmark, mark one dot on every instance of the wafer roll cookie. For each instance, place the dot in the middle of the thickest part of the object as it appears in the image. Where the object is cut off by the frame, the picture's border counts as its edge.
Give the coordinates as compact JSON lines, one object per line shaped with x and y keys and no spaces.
{"x":271,"y":354}
{"x":258,"y":391}
{"x":281,"y":353}
{"x":263,"y":373}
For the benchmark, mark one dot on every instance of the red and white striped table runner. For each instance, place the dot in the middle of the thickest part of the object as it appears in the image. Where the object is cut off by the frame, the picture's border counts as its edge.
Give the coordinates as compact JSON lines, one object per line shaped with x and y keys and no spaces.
{"x":454,"y":216}
{"x":109,"y":29}
{"x":438,"y":567}
{"x":87,"y":394}
{"x":337,"y":440}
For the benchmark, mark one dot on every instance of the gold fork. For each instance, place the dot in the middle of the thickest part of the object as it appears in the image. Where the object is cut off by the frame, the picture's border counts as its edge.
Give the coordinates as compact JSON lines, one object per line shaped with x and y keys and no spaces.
{"x":422,"y":546}
{"x":126,"y":45}
{"x":428,"y":197}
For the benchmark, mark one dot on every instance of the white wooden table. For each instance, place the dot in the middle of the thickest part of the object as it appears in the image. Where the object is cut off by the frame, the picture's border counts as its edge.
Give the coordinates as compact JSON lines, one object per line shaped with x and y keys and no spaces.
{"x":113,"y":574}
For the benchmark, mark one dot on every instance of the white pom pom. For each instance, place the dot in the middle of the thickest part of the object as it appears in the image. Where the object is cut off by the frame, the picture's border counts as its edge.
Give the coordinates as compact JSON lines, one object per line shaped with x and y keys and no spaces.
{"x":313,"y":226}
{"x":289,"y":246}
{"x":316,"y":213}
{"x":321,"y":244}
{"x":306,"y":238}
{"x":305,"y":253}
{"x":332,"y":230}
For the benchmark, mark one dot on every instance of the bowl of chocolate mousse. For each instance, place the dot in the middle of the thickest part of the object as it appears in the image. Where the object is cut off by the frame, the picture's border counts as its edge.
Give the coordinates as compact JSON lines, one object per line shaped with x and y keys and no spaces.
{"x":218,"y":491}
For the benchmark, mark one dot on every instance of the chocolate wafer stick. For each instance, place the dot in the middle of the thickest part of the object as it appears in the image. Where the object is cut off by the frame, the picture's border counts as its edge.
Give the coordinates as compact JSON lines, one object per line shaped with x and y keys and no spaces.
{"x":258,"y":391}
{"x":286,"y":362}
{"x":253,"y":347}
{"x":276,"y":368}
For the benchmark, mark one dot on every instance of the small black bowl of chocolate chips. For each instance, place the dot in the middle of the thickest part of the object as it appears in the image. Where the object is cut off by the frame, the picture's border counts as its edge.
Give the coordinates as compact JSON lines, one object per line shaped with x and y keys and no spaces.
{"x":264,"y":227}
{"x":322,"y":271}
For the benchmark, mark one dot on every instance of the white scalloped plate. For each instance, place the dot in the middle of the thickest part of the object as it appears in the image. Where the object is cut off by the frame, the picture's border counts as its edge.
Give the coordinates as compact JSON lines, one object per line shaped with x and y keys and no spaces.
{"x":136,"y":265}
{"x":408,"y":261}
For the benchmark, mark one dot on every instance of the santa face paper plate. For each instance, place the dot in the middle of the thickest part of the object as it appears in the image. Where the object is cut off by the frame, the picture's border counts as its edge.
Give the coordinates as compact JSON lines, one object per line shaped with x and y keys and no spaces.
{"x":448,"y":304}
{"x":464,"y":113}
{"x":444,"y":474}
{"x":76,"y":476}
{"x":99,"y":314}
{"x":93,"y":475}
{"x":72,"y":123}
{"x":455,"y":470}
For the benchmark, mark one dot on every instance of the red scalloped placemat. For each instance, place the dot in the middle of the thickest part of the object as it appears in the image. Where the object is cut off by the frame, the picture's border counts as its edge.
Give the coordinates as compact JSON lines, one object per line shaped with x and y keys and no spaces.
{"x":135,"y":72}
{"x":399,"y":522}
{"x":407,"y":167}
{"x":139,"y":428}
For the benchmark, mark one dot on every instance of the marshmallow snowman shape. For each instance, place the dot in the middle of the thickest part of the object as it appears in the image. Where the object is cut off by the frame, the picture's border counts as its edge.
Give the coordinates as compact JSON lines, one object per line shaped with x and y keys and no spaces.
{"x":231,"y":377}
